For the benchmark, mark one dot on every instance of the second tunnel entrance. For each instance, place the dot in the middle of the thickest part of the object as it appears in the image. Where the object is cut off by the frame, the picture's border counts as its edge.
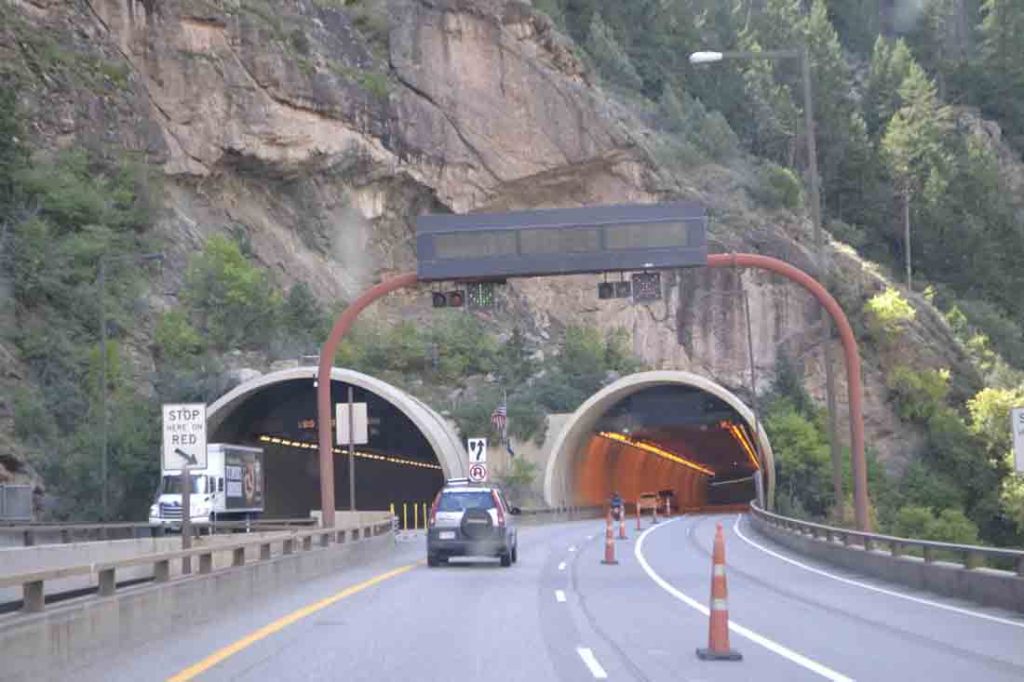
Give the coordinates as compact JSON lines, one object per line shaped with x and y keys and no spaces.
{"x":674,"y":433}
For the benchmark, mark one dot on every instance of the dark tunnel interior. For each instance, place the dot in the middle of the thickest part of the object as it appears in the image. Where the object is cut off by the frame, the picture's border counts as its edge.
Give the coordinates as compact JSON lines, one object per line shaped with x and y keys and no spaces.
{"x":397,"y":465}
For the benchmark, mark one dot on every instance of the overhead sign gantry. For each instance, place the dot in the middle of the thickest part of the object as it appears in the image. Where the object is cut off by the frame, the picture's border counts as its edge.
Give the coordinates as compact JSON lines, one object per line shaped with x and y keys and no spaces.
{"x":489,"y":246}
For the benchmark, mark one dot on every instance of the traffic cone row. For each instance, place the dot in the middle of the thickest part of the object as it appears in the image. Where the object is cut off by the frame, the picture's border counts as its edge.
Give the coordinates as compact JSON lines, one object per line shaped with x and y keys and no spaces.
{"x":622,"y":524}
{"x":609,"y":542}
{"x":718,"y":627}
{"x":638,"y":516}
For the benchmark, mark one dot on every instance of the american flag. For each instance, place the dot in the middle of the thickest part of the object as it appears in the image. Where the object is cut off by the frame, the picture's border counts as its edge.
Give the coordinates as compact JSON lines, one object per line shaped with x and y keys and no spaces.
{"x":499,"y":418}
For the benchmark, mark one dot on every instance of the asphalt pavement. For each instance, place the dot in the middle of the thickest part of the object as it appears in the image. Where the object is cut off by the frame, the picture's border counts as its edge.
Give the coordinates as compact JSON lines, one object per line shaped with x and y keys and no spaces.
{"x":559,"y":614}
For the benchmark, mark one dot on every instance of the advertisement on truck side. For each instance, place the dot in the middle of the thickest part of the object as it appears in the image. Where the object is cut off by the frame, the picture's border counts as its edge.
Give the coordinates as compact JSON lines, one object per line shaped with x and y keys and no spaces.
{"x":243,"y":484}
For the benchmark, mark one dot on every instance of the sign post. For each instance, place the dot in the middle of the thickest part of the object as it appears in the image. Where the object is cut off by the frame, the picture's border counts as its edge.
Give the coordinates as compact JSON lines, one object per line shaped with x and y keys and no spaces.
{"x":1017,"y":425}
{"x":184,"y":448}
{"x":352,"y":428}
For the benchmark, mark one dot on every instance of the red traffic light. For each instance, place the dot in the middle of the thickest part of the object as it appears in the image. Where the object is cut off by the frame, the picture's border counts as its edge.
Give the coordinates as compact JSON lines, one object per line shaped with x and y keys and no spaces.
{"x":456,"y":298}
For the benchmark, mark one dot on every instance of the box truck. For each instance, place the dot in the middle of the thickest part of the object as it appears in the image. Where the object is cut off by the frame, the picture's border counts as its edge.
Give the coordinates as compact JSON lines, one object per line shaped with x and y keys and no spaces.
{"x":230,"y":488}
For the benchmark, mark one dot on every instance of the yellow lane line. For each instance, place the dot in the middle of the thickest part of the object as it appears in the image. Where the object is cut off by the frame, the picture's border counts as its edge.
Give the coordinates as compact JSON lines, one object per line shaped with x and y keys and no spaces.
{"x":280,"y":624}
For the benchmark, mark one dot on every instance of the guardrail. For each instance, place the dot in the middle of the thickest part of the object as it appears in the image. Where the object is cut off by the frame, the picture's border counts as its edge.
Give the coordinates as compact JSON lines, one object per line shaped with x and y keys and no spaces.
{"x":970,"y":557}
{"x":33,"y":583}
{"x":69,"y":532}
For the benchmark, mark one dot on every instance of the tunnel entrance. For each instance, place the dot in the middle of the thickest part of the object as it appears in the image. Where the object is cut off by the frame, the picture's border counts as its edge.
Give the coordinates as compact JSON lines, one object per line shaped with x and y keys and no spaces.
{"x":673,"y":433}
{"x":411,"y":449}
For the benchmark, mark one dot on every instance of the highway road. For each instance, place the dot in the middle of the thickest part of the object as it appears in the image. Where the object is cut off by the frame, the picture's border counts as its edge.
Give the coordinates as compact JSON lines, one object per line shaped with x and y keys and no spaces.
{"x":559,"y":614}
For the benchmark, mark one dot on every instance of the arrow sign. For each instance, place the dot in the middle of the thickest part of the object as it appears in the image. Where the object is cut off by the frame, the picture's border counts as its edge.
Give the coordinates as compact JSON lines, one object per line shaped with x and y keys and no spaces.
{"x":190,"y":459}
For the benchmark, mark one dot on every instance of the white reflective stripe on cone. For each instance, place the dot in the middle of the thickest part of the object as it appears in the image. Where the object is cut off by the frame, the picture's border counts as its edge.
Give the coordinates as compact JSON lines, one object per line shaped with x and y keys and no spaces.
{"x":719,"y":605}
{"x":719,"y":569}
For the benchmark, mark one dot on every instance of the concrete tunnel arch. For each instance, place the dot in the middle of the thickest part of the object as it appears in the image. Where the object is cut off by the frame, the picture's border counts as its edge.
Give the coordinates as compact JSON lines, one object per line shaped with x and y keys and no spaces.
{"x":439,"y":434}
{"x":580,"y":427}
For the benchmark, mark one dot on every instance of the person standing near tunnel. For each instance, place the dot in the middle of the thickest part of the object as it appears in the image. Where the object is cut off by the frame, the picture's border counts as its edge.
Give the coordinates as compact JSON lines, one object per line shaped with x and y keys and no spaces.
{"x":616,"y":505}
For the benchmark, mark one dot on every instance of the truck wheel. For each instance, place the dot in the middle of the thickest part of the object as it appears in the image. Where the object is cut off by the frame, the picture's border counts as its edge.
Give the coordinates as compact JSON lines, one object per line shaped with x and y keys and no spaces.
{"x":433,"y":560}
{"x":506,"y":559}
{"x":515,"y":553}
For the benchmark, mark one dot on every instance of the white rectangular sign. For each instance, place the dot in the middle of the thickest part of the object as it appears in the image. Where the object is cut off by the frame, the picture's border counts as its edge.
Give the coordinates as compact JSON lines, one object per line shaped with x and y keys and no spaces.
{"x":477,"y":449}
{"x":184,"y":441}
{"x":359,"y":423}
{"x":1017,"y":424}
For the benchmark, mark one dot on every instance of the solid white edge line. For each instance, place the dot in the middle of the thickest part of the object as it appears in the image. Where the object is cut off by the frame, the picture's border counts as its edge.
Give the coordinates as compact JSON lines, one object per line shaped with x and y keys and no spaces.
{"x":561,"y":566}
{"x":590,"y":660}
{"x":866,"y":586}
{"x":747,"y":633}
{"x":559,"y":596}
{"x":572,"y":548}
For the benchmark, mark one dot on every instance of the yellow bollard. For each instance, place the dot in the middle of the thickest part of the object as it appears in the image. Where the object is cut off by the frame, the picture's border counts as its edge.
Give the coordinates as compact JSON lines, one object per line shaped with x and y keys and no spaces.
{"x":415,"y":516}
{"x":425,"y":517}
{"x":405,"y":516}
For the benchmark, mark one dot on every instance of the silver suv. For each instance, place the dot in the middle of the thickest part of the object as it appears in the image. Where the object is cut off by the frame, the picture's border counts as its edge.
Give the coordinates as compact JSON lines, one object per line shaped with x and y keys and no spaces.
{"x":471,"y":520}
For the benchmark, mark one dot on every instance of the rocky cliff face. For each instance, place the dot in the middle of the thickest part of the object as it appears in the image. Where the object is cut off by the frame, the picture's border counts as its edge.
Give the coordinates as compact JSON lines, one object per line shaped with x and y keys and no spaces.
{"x":319,"y":130}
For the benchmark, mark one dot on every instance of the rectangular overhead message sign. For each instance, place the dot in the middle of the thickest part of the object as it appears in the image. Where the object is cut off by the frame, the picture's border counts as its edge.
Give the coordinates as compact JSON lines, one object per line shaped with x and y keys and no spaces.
{"x":184,"y":440}
{"x":561,"y":241}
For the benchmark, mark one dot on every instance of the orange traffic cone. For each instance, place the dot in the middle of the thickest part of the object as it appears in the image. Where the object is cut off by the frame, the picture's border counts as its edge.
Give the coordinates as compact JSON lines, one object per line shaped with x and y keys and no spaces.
{"x":718,"y":629}
{"x":609,"y":542}
{"x":622,"y":524}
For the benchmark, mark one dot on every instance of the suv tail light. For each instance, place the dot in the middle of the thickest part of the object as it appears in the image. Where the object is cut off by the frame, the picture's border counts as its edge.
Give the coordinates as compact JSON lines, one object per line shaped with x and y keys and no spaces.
{"x":497,"y":506}
{"x":433,"y":508}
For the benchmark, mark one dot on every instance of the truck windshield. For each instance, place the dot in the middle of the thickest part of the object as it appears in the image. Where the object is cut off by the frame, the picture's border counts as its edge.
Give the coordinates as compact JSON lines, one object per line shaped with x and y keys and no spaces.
{"x":171,"y":485}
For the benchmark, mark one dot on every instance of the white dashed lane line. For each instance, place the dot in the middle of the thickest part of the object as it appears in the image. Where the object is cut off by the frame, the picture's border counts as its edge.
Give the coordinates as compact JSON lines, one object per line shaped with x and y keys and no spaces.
{"x":590,"y":660}
{"x":559,"y":595}
{"x":561,"y":566}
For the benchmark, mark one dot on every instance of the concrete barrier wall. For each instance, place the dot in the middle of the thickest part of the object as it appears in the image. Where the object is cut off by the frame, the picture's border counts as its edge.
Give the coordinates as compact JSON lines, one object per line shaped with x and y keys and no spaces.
{"x":48,"y":557}
{"x":984,"y":586}
{"x":50,"y":644}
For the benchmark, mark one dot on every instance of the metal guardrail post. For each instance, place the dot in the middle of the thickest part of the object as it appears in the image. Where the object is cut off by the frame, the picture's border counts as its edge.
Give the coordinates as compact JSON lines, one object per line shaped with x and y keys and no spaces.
{"x":325,"y":539}
{"x":1020,"y":566}
{"x":32,"y":596}
{"x":265,"y":551}
{"x":973,"y":560}
{"x":107,"y":582}
{"x":289,"y":546}
{"x":162,"y":571}
{"x":206,"y":562}
{"x":307,"y":543}
{"x":238,"y":556}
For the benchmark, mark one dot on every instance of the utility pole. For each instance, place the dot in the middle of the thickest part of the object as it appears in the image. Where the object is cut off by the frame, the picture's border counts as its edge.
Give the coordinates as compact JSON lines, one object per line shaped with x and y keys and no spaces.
{"x":819,"y":248}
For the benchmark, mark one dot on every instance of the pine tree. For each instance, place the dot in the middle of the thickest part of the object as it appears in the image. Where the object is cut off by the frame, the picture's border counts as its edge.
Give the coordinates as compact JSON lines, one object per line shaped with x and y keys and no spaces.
{"x":890,"y":66}
{"x":1002,"y":61}
{"x":609,"y":56}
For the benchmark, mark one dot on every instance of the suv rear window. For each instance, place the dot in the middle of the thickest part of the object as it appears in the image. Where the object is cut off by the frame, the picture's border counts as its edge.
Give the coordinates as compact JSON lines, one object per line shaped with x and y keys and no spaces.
{"x":461,"y":501}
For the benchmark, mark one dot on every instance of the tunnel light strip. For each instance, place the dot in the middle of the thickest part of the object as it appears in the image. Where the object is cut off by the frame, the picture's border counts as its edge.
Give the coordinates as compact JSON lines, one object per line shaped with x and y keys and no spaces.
{"x":740,"y":435}
{"x":655,"y":450}
{"x":274,"y":440}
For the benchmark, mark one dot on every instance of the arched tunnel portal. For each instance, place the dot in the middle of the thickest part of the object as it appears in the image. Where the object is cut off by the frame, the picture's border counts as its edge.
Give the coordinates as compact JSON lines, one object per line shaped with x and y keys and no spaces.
{"x":657,"y":432}
{"x":411,"y":449}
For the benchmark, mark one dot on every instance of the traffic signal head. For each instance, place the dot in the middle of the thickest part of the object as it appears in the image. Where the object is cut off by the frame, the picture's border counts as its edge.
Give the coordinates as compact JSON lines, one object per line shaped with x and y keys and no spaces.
{"x":646,"y":286}
{"x":623,"y":289}
{"x":606,"y":290}
{"x":439,"y":299}
{"x":456,"y":298}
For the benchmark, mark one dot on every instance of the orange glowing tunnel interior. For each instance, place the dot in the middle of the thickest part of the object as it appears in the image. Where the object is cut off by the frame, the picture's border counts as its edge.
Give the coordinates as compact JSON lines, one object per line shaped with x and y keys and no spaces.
{"x":668,"y":438}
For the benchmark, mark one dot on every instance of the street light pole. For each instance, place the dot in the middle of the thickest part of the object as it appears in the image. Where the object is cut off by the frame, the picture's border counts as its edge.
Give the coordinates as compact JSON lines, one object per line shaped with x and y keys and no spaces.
{"x":101,"y":281}
{"x":707,"y":57}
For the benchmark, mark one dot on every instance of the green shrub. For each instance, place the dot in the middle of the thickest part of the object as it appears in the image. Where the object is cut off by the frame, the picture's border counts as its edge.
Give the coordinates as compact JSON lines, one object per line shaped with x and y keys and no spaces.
{"x":233,"y":300}
{"x":175,"y":339}
{"x":888,"y":315}
{"x":779,"y":187}
{"x":949,"y":525}
{"x":918,"y":394}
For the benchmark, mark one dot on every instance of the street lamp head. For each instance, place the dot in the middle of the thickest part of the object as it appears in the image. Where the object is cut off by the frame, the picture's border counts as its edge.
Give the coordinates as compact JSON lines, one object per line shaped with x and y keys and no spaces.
{"x":706,"y":57}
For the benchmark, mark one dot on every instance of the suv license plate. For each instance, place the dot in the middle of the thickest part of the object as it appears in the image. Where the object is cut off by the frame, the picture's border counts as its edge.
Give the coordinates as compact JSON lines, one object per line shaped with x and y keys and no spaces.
{"x":446,"y":535}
